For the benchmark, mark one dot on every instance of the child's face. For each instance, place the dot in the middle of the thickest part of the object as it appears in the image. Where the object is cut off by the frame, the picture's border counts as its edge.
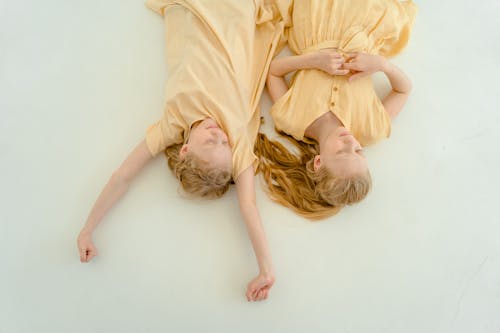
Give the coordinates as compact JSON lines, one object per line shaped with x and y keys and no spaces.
{"x":210,"y":144}
{"x":343,"y":154}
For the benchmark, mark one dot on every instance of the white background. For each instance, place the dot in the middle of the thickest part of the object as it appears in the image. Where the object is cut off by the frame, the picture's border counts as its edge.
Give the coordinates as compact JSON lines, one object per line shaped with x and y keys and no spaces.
{"x":80,"y":81}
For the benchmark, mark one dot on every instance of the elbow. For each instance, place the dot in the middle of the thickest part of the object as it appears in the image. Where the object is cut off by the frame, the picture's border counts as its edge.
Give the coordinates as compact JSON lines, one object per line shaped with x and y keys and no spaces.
{"x":270,"y":77}
{"x":410,"y":87}
{"x":404,"y":89}
{"x":269,"y":81}
{"x":273,"y":70}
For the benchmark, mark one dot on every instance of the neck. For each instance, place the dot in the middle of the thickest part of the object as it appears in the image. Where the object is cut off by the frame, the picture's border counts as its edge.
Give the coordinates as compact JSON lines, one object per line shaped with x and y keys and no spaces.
{"x":322,"y":127}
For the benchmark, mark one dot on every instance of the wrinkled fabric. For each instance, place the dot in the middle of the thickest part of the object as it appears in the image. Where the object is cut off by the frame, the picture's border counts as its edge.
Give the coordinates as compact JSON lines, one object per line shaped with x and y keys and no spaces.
{"x":371,"y":26}
{"x":218,"y":54}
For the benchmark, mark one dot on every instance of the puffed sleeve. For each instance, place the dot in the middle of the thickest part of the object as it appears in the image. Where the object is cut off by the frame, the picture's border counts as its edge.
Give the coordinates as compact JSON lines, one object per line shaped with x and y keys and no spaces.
{"x":165,"y":132}
{"x":393,"y":31}
{"x":157,"y":6}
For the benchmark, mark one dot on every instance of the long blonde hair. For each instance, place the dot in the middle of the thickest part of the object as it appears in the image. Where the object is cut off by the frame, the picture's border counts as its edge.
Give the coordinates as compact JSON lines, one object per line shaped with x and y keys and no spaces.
{"x":293,"y":182}
{"x":196,"y":180}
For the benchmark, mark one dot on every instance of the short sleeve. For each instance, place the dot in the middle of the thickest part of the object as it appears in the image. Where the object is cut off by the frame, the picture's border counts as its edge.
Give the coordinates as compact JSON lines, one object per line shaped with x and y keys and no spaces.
{"x":165,"y":132}
{"x":157,"y":6}
{"x":375,"y":126}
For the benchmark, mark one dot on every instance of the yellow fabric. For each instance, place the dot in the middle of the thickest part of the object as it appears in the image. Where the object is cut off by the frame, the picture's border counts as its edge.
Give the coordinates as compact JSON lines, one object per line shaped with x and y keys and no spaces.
{"x":218,"y":54}
{"x":370,"y":26}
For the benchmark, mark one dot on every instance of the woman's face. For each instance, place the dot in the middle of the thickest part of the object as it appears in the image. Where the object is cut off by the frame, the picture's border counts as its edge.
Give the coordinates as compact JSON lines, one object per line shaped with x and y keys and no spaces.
{"x":342,"y":154}
{"x":210,"y":144}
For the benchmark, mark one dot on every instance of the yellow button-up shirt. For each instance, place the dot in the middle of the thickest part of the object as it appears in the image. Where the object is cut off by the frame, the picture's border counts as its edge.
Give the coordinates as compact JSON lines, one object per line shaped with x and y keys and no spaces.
{"x":369,"y":26}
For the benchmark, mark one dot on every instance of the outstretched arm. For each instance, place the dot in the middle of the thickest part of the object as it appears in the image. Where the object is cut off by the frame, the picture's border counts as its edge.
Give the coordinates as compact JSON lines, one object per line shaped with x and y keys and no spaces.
{"x":365,"y":64}
{"x":327,"y":60}
{"x":115,"y":188}
{"x":258,"y":288}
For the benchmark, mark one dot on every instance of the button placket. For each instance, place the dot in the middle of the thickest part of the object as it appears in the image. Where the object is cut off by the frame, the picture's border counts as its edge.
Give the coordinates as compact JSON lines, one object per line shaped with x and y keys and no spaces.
{"x":333,"y":97}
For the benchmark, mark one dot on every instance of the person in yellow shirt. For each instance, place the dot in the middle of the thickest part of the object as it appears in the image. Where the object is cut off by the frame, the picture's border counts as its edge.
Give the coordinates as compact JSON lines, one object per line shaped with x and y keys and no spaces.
{"x":331,"y":111}
{"x":218,"y":54}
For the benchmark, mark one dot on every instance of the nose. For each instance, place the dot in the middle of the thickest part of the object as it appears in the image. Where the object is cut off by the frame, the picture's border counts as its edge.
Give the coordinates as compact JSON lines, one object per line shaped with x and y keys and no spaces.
{"x":350,"y":143}
{"x":218,"y":134}
{"x":349,"y":139}
{"x":215,"y":132}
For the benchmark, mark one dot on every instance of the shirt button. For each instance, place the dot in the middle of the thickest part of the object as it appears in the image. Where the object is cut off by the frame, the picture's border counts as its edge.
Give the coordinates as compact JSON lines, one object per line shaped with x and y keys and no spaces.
{"x":332,"y":104}
{"x":335,"y":88}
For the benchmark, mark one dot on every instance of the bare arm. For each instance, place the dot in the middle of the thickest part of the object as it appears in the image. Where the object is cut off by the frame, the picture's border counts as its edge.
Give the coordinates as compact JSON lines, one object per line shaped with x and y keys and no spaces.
{"x":115,"y":188}
{"x":326,"y":60}
{"x":365,"y":64}
{"x":401,"y":88}
{"x":259,"y":287}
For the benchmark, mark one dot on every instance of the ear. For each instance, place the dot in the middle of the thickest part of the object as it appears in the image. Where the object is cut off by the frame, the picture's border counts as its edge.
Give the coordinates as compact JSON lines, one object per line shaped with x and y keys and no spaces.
{"x":317,"y":162}
{"x":183,"y":152}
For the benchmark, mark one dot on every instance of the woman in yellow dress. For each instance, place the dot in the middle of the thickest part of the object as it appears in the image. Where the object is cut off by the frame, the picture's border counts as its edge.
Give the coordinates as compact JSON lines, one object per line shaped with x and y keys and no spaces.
{"x":217,"y":55}
{"x":330,"y":111}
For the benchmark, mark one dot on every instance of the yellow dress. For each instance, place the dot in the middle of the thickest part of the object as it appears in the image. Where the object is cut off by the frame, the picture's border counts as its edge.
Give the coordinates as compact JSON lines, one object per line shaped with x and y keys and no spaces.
{"x":218,"y":54}
{"x":370,"y":26}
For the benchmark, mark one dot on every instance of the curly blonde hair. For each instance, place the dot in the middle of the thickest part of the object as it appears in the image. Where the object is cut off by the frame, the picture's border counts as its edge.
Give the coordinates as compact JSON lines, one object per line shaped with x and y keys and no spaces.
{"x":293,"y":182}
{"x":196,"y":180}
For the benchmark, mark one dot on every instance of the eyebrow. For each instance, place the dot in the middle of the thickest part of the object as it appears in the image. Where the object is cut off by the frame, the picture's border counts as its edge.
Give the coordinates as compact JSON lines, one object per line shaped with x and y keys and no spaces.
{"x":347,"y":156}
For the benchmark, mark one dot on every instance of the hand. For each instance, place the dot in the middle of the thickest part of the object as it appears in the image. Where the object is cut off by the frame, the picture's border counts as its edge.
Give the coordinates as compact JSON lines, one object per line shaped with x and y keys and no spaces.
{"x":330,"y":61}
{"x":258,"y":288}
{"x":86,"y":247}
{"x":363,"y":64}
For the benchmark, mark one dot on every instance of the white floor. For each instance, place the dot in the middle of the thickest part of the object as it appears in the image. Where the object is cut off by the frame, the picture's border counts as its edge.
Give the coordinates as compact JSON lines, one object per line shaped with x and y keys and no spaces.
{"x":79,"y":84}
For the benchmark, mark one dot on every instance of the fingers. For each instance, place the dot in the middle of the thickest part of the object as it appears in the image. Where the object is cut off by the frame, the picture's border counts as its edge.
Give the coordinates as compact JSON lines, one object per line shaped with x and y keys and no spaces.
{"x":336,"y":63}
{"x":83,"y":255}
{"x":251,"y":290}
{"x":351,"y":66}
{"x":333,"y":65}
{"x":255,"y":294}
{"x":91,"y":254}
{"x":258,"y":288}
{"x":341,"y":72}
{"x":86,"y":254}
{"x":258,"y":295}
{"x":352,"y":54}
{"x":250,"y":295}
